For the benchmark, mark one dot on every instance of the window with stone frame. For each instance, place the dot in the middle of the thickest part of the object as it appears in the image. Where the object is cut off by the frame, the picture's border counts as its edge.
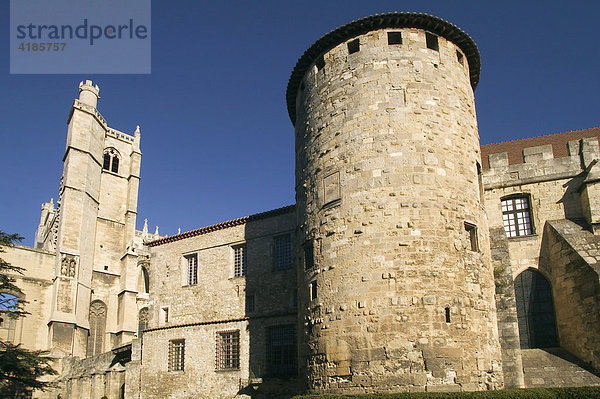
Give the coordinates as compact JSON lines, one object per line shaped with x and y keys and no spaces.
{"x":176,"y":355}
{"x":192,"y":269}
{"x":111,"y":160}
{"x":282,"y":252}
{"x":97,"y":330}
{"x":471,"y":230}
{"x":228,"y":350}
{"x":281,"y":350}
{"x":239,"y":260}
{"x":516,"y":216}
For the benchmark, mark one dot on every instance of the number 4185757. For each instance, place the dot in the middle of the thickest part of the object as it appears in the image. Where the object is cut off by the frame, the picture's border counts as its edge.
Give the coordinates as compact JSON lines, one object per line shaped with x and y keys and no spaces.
{"x":26,"y":46}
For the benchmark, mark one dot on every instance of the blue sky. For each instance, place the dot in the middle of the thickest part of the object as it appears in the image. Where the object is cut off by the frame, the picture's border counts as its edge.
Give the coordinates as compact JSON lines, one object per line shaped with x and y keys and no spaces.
{"x":216,"y":139}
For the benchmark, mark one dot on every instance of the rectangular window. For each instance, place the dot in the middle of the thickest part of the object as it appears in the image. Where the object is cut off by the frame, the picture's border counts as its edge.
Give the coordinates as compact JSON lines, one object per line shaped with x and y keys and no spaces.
{"x":394,"y":37}
{"x":282,"y":252}
{"x":517,"y":217}
{"x":353,"y":46}
{"x":192,"y":269}
{"x":313,"y":290}
{"x":432,"y":41}
{"x":228,"y":350}
{"x":309,"y":255}
{"x":472,"y":232}
{"x":281,"y":351}
{"x":249,"y":303}
{"x":165,"y":314}
{"x":176,"y":354}
{"x":239,"y":261}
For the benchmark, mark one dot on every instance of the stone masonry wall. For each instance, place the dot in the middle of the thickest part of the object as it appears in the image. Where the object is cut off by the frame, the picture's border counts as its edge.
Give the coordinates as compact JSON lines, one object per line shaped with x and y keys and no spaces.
{"x":574,"y":253}
{"x":386,"y":178}
{"x":552,"y":187}
{"x":198,"y":312}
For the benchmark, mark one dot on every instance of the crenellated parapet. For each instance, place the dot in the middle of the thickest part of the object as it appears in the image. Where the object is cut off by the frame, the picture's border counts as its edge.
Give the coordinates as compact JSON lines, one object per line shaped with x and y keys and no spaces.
{"x":554,"y":157}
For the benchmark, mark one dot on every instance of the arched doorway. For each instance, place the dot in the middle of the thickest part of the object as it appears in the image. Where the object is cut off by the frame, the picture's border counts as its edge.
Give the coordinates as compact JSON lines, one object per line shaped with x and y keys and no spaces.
{"x":535,"y":311}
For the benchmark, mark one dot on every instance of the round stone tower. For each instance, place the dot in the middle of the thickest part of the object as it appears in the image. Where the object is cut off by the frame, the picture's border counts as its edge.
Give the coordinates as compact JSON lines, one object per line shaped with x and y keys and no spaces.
{"x":396,"y":288}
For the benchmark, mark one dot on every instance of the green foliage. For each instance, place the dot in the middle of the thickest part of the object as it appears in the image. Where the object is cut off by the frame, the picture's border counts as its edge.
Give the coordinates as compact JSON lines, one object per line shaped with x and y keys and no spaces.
{"x":531,"y":393}
{"x":7,"y":279}
{"x":20,"y":368}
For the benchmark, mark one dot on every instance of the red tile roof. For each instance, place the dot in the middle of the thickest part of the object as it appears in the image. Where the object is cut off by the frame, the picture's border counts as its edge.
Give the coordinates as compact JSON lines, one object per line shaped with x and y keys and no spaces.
{"x":515,"y":148}
{"x":223,"y":225}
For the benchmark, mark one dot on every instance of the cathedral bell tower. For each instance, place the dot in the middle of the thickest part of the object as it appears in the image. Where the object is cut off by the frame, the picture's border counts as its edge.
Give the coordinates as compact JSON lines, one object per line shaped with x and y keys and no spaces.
{"x":96,"y":267}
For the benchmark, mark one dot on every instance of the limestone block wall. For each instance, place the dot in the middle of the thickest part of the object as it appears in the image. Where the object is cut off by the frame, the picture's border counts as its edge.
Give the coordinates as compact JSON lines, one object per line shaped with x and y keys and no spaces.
{"x":552,"y":186}
{"x":216,"y":303}
{"x":393,"y":297}
{"x":36,"y":284}
{"x":574,"y":253}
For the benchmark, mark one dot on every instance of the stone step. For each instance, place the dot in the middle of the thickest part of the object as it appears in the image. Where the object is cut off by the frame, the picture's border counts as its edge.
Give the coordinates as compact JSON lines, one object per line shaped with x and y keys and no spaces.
{"x":555,"y":367}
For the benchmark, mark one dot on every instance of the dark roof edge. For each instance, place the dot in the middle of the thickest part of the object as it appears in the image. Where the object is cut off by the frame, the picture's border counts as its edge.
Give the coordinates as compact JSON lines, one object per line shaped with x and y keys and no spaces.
{"x":223,"y":225}
{"x":375,"y":22}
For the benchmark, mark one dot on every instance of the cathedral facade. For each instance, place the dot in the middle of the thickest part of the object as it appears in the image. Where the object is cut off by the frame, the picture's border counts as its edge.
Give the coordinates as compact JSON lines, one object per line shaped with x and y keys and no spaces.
{"x":414,"y":259}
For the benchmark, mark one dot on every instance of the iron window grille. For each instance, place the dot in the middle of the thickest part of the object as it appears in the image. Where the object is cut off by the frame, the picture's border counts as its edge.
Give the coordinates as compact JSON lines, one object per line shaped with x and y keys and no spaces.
{"x":228,"y":350}
{"x":516,"y":216}
{"x":281,"y":351}
{"x":239,"y":262}
{"x":192,"y":269}
{"x":176,"y":355}
{"x":283,"y":252}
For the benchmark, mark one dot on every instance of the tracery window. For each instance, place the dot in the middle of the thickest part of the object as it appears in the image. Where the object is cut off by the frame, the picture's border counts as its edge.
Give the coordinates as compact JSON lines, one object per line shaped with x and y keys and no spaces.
{"x":97,"y":328}
{"x":111,"y":160}
{"x":516,"y":215}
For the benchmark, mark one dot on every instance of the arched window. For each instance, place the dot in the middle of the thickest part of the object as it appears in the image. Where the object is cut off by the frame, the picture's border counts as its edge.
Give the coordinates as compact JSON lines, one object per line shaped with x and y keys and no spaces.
{"x":143,"y":280}
{"x":8,"y":321}
{"x":143,"y":319}
{"x":111,"y":160}
{"x":97,"y":328}
{"x":535,"y":311}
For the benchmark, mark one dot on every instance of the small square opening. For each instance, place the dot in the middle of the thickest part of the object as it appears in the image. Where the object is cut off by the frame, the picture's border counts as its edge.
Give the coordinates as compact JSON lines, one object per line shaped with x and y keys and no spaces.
{"x":353,"y":46}
{"x":320,"y":63}
{"x":472,"y":232}
{"x":313,"y":290}
{"x":432,"y":41}
{"x":460,"y":57}
{"x":394,"y":37}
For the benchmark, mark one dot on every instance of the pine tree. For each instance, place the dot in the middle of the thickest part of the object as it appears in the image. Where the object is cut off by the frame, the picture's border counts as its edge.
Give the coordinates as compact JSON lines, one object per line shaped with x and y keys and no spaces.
{"x":20,"y":368}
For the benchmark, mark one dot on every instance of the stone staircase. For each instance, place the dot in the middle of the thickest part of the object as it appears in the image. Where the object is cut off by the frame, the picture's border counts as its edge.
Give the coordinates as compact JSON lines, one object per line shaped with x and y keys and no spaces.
{"x":555,"y":367}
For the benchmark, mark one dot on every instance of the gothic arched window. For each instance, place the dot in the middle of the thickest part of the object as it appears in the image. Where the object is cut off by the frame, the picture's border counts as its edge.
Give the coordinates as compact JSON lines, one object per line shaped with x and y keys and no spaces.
{"x":143,"y":280}
{"x":111,"y":160}
{"x":535,"y":311}
{"x":97,"y":328}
